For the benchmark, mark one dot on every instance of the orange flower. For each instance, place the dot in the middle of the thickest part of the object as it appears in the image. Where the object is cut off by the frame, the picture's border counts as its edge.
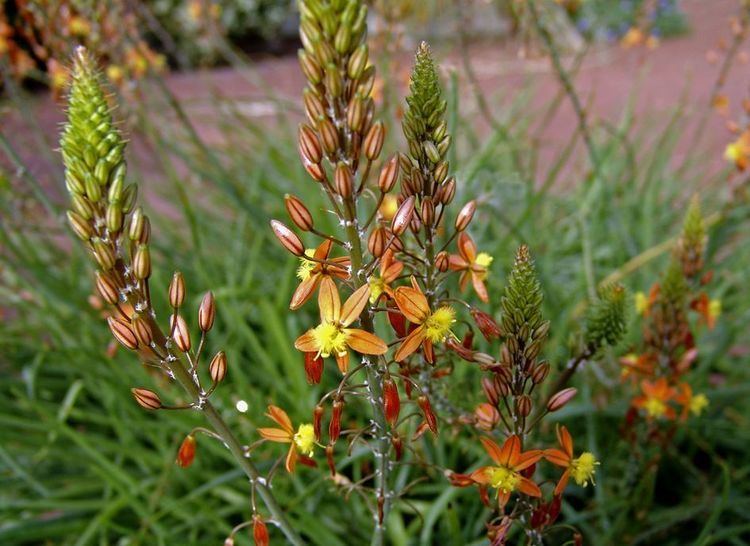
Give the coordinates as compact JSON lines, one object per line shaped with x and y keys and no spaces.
{"x":432,"y":326}
{"x":390,"y":269}
{"x":691,"y":403}
{"x":311,"y":272}
{"x":472,"y":265}
{"x":332,"y":336}
{"x":708,"y":309}
{"x":655,"y":399}
{"x":506,"y":477}
{"x":637,"y":364}
{"x":302,"y":441}
{"x":582,"y":468}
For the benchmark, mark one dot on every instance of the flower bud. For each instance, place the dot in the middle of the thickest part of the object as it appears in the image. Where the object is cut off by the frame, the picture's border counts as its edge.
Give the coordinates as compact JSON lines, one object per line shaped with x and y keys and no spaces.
{"x":217,"y":368}
{"x":391,"y":401}
{"x":540,"y":372}
{"x":377,"y":241}
{"x":403,"y":216}
{"x":313,"y":106}
{"x":374,"y":141}
{"x":561,"y":398}
{"x":177,"y":290}
{"x":429,"y":416}
{"x":329,"y":136}
{"x":310,"y":68}
{"x":465,"y":216}
{"x":488,"y":386}
{"x":357,"y":62}
{"x":315,"y":170}
{"x":80,"y":226}
{"x":483,"y":359}
{"x":389,"y":175}
{"x":181,"y":333}
{"x":523,"y":405}
{"x":122,"y":333}
{"x":142,"y":330}
{"x":334,"y":427}
{"x":142,"y":262}
{"x":489,"y":328}
{"x":107,"y":288}
{"x":207,"y":312}
{"x":309,"y":146}
{"x":440,"y":172}
{"x":288,"y":238}
{"x":355,"y":114}
{"x":318,"y":420}
{"x":186,"y":453}
{"x":104,"y":254}
{"x":431,"y":151}
{"x":146,"y":399}
{"x":298,"y":212}
{"x":428,"y":211}
{"x":135,"y":231}
{"x":486,"y":416}
{"x":260,"y":531}
{"x":113,"y":217}
{"x":398,"y":446}
{"x":313,"y":368}
{"x":342,"y":178}
{"x":442,"y":261}
{"x":447,"y":191}
{"x":329,"y":459}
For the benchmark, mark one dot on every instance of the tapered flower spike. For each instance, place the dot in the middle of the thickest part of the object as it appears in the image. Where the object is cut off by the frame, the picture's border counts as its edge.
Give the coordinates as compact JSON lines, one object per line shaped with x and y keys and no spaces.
{"x":581,"y":468}
{"x":302,"y":442}
{"x":333,"y":336}
{"x":606,"y":320}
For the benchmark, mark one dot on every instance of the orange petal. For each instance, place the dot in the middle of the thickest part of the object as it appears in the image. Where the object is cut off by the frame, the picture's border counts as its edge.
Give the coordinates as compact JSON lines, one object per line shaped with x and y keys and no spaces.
{"x":342,"y":361}
{"x":354,"y":305}
{"x":466,"y":247}
{"x":291,"y":459}
{"x":281,"y":417}
{"x":412,"y":303}
{"x":457,"y":263}
{"x":527,"y":487}
{"x":560,"y":487}
{"x":479,"y":288}
{"x":307,"y":343}
{"x":463,"y":280}
{"x":510,"y":451}
{"x":304,"y":291}
{"x":502,"y":499}
{"x":392,"y":271}
{"x":323,"y":250}
{"x":410,"y":344}
{"x":275,"y":435}
{"x":527,"y":458}
{"x":493,"y":450}
{"x":555,"y":456}
{"x":365,"y":342}
{"x":566,"y":442}
{"x":329,"y":301}
{"x":482,"y":475}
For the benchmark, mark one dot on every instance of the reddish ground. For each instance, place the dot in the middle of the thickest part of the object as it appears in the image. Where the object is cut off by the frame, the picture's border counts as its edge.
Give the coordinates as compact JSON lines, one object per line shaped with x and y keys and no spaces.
{"x":607,"y":78}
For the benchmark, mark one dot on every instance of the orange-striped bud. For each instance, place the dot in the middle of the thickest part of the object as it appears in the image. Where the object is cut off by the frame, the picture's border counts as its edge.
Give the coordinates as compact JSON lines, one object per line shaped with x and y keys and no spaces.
{"x":334,"y":427}
{"x":329,"y":136}
{"x":104,"y":254}
{"x":465,"y":216}
{"x":217,"y":368}
{"x":288,"y":238}
{"x":122,"y":333}
{"x":403,"y":216}
{"x":186,"y":453}
{"x":142,"y":262}
{"x":142,"y":330}
{"x":489,"y":328}
{"x":486,"y":416}
{"x":298,"y":212}
{"x":391,"y":401}
{"x":429,"y":416}
{"x":147,"y":399}
{"x":377,"y":241}
{"x":260,"y":531}
{"x":374,"y":141}
{"x":342,"y":178}
{"x":309,"y":145}
{"x":181,"y":332}
{"x":389,"y":175}
{"x":315,"y":170}
{"x":523,"y":405}
{"x":106,"y":287}
{"x":82,"y":228}
{"x":561,"y":398}
{"x":447,"y":191}
{"x":540,"y":372}
{"x":488,"y":386}
{"x":442,"y":261}
{"x":177,"y":290}
{"x":398,"y":445}
{"x":207,"y":312}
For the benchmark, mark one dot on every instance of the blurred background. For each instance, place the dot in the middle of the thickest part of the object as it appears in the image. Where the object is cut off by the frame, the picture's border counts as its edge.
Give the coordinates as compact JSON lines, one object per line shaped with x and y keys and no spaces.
{"x":210,"y":99}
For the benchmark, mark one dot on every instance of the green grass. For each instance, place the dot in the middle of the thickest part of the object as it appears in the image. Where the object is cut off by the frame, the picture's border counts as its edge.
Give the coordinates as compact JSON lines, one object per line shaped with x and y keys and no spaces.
{"x":80,"y":463}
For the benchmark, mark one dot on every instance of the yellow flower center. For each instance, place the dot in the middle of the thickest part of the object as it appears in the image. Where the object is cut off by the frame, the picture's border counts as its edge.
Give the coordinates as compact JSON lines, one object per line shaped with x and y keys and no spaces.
{"x":583,"y":468}
{"x":655,"y":407}
{"x":330,"y":338}
{"x":377,"y":287}
{"x":305,"y":266}
{"x":698,"y":403}
{"x":714,"y":308}
{"x":641,"y":302}
{"x":504,"y":478}
{"x":733,"y":152}
{"x":438,"y":324}
{"x":483,"y":259}
{"x":305,"y":439}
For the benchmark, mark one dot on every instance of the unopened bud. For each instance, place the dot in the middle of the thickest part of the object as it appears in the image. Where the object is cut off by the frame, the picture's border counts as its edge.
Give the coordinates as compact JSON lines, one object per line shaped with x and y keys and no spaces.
{"x":488,"y":386}
{"x":486,"y":416}
{"x":104,"y":254}
{"x":489,"y":328}
{"x":177,"y":290}
{"x":442,"y":261}
{"x":329,"y":136}
{"x":135,"y":232}
{"x":309,"y":146}
{"x":298,"y":212}
{"x":318,"y":421}
{"x":447,"y":191}
{"x":142,"y":330}
{"x":561,"y":398}
{"x":217,"y":368}
{"x":465,"y":216}
{"x":329,"y":459}
{"x":377,"y":241}
{"x":315,"y":170}
{"x":81,"y":227}
{"x":357,"y":62}
{"x":181,"y":333}
{"x":106,"y":288}
{"x":146,"y":399}
{"x":398,"y":446}
{"x":428,"y":211}
{"x":260,"y":531}
{"x":142,"y":262}
{"x":186,"y":453}
{"x":391,"y":401}
{"x":342,"y":178}
{"x":374,"y":141}
{"x":389,"y":175}
{"x":334,"y":427}
{"x":523,"y":405}
{"x":122,"y":333}
{"x":355,"y":114}
{"x":403,"y":216}
{"x":429,"y":416}
{"x":540,"y":372}
{"x":484,"y":359}
{"x":207,"y":312}
{"x":288,"y":238}
{"x":440,"y":172}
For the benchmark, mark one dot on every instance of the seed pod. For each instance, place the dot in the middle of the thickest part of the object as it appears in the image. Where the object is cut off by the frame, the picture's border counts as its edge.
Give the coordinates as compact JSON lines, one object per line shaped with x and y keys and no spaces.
{"x":334,"y":427}
{"x":142,"y":330}
{"x":391,"y":401}
{"x":561,"y":398}
{"x":523,"y":405}
{"x":177,"y":290}
{"x":288,"y":238}
{"x":377,"y":241}
{"x":298,"y":212}
{"x":429,"y":416}
{"x":122,"y":333}
{"x":428,"y":211}
{"x":186,"y":453}
{"x":107,"y":288}
{"x":318,"y":420}
{"x":104,"y":254}
{"x":309,"y":145}
{"x":490,"y":391}
{"x":342,"y":178}
{"x":80,"y":226}
{"x":142,"y":262}
{"x":313,"y":368}
{"x":146,"y":399}
{"x":374,"y":141}
{"x":207,"y":312}
{"x":181,"y":333}
{"x":540,"y":372}
{"x":465,"y":216}
{"x":388,"y":175}
{"x":260,"y":531}
{"x":403,"y":216}
{"x":442,"y":261}
{"x":217,"y":368}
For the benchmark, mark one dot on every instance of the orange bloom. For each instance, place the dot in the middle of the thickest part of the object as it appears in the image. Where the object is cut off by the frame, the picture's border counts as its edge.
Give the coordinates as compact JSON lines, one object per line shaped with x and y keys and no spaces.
{"x":311,"y":272}
{"x":506,"y":476}
{"x":708,"y":309}
{"x":472,"y":265}
{"x":332,"y":336}
{"x":655,"y":399}
{"x":581,"y":468}
{"x":390,"y":269}
{"x":302,"y":442}
{"x":432,"y":326}
{"x":691,"y":403}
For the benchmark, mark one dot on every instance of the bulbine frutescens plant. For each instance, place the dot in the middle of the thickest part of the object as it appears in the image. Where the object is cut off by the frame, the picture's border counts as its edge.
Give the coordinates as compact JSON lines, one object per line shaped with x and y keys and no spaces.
{"x":383,"y":282}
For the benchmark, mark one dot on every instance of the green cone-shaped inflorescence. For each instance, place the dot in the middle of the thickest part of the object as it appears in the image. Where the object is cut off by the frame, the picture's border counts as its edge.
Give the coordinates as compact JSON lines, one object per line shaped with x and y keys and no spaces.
{"x":426,"y":168}
{"x":674,"y":287}
{"x":692,"y":242}
{"x":338,"y":101}
{"x":522,"y":320}
{"x":606,"y":318}
{"x":101,"y":210}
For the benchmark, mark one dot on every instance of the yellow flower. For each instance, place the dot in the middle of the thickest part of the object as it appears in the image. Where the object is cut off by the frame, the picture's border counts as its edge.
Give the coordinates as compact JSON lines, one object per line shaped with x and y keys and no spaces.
{"x":483,"y":259}
{"x":304,"y":439}
{"x":714,"y":309}
{"x":438,"y":324}
{"x":583,"y":468}
{"x":698,"y":403}
{"x":306,"y":266}
{"x":641,"y":302}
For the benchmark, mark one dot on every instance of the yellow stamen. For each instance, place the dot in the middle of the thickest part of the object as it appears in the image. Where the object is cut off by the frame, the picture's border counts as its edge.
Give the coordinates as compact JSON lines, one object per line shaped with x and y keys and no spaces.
{"x":504,"y":479}
{"x":714,"y":309}
{"x":305,"y":439}
{"x":641,"y":302}
{"x":698,"y":403}
{"x":655,"y":407}
{"x":330,"y":339}
{"x":438,"y":324}
{"x":305,"y":266}
{"x":377,"y":287}
{"x":483,"y":259}
{"x":583,"y":468}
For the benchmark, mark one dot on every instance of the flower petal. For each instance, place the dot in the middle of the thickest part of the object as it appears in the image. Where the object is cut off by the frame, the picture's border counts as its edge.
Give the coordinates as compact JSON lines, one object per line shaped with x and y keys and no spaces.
{"x":563,"y":482}
{"x":555,"y":456}
{"x":466,"y":247}
{"x":365,"y":342}
{"x":275,"y":435}
{"x":493,"y":450}
{"x":527,"y":487}
{"x":528,"y":458}
{"x":510,"y":451}
{"x":342,"y":361}
{"x":479,"y":288}
{"x":566,"y":442}
{"x":281,"y":417}
{"x":323,"y":250}
{"x":354,"y":305}
{"x":412,"y":303}
{"x":307,"y":343}
{"x":304,"y":291}
{"x":410,"y":344}
{"x":482,"y":475}
{"x":329,"y":301}
{"x":291,"y":459}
